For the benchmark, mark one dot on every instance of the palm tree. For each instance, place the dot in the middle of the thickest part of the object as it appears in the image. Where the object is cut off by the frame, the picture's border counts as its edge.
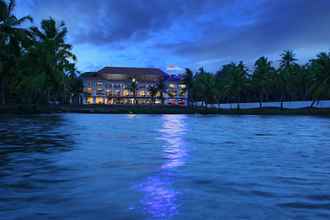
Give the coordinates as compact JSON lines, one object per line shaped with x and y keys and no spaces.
{"x":320,"y":67}
{"x":286,"y":70}
{"x":12,"y":37}
{"x":74,"y":86}
{"x":188,"y":79}
{"x":288,"y":58}
{"x":55,"y":58}
{"x":261,"y":78}
{"x":153,"y":90}
{"x":161,"y":88}
{"x":236,"y":82}
{"x":204,"y":88}
{"x":133,"y":88}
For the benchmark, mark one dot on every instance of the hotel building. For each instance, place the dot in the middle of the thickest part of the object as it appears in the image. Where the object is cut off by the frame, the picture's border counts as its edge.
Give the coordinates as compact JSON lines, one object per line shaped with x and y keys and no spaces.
{"x":123,"y":85}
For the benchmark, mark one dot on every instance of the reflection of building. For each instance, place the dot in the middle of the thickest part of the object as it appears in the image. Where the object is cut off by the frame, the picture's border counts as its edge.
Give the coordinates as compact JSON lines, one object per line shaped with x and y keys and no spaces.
{"x":121,"y":85}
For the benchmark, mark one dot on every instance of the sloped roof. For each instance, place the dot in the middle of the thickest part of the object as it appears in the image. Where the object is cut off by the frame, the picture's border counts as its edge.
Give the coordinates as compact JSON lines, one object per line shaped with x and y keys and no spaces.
{"x":88,"y":75}
{"x":125,"y":73}
{"x":132,"y":71}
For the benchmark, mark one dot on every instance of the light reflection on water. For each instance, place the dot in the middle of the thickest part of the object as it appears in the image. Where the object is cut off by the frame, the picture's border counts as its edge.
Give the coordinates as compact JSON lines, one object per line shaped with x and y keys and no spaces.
{"x":160,"y":197}
{"x":141,"y":167}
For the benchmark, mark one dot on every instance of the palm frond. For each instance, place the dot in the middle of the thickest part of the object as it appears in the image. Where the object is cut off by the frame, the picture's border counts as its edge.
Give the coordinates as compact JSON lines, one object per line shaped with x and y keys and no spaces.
{"x":3,"y":10}
{"x":24,"y":19}
{"x":37,"y":32}
{"x":11,"y":7}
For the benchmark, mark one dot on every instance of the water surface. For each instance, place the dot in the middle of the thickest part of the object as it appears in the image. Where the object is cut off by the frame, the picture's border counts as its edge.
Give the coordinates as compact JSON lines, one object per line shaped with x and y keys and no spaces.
{"x":80,"y":166}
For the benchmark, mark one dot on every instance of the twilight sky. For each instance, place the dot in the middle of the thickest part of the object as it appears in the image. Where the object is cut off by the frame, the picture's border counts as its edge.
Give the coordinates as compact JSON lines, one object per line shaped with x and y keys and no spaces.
{"x":187,"y":33}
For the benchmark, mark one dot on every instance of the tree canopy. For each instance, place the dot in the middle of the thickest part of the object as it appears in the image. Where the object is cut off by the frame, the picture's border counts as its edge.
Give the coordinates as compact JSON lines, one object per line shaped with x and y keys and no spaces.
{"x":36,"y":64}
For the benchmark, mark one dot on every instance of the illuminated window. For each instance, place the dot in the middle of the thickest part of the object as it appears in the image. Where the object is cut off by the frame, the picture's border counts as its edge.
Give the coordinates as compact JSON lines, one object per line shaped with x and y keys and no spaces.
{"x":88,"y":90}
{"x":182,"y":86}
{"x":99,"y":100}
{"x":172,"y":86}
{"x":90,"y":100}
{"x":142,"y":93}
{"x":126,"y":93}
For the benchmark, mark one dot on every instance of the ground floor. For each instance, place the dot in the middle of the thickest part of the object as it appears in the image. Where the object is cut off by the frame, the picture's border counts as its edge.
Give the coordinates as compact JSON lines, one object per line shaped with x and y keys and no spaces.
{"x":102,"y":100}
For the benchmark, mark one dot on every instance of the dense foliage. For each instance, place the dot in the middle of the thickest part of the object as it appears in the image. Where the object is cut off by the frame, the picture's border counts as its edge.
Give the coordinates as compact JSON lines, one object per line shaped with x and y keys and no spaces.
{"x":36,"y":64}
{"x":288,"y":82}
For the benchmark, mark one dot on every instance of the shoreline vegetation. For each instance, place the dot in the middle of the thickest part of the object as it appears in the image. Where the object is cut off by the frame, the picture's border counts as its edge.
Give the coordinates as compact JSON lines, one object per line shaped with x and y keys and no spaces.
{"x":154,"y":109}
{"x":38,"y":67}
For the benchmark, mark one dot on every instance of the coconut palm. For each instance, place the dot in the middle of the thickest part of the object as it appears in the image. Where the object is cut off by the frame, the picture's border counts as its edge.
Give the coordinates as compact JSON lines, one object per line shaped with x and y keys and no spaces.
{"x":188,"y":78}
{"x":288,"y":58}
{"x":133,"y":88}
{"x":52,"y":57}
{"x":261,"y":78}
{"x":204,"y":88}
{"x":161,"y":88}
{"x":12,"y":37}
{"x":320,"y":67}
{"x":286,"y":72}
{"x":153,"y":90}
{"x":74,"y":86}
{"x":236,"y":82}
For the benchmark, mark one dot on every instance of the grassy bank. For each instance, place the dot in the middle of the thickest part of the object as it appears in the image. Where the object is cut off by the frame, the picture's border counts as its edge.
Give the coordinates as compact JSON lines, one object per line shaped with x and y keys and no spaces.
{"x":152,"y":109}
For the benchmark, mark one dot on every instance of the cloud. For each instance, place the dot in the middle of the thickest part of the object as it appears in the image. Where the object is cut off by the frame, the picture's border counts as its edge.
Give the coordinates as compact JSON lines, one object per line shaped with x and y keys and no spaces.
{"x":187,"y":33}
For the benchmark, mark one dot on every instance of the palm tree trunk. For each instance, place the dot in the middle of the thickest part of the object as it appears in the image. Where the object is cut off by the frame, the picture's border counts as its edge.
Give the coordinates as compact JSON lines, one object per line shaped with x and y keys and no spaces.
{"x":282,"y":99}
{"x":48,"y":96}
{"x":162,"y":98}
{"x":260,"y":101}
{"x":135,"y":100}
{"x":238,"y":103}
{"x":189,"y":99}
{"x":2,"y":92}
{"x":313,"y":103}
{"x":219,"y":104}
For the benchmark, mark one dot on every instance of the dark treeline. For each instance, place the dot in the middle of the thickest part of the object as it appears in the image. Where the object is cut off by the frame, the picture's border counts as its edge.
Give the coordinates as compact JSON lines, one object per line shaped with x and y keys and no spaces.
{"x":36,"y":64}
{"x":289,"y":82}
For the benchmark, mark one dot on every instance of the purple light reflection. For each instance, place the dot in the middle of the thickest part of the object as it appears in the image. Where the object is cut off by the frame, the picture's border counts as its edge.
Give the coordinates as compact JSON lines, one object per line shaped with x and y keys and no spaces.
{"x":160,"y":197}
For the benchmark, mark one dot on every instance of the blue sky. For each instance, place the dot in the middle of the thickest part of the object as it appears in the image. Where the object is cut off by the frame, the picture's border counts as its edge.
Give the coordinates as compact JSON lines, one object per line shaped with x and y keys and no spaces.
{"x":186,"y":33}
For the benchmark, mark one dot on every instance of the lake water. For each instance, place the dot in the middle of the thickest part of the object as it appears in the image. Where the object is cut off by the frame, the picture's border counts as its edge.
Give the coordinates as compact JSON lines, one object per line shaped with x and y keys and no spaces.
{"x":80,"y":166}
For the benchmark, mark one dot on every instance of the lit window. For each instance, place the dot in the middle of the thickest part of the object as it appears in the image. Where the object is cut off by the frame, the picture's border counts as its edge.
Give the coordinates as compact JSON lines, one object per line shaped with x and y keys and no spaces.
{"x":90,"y":100}
{"x":99,"y":100}
{"x":172,"y":86}
{"x":88,"y":90}
{"x":126,"y":93}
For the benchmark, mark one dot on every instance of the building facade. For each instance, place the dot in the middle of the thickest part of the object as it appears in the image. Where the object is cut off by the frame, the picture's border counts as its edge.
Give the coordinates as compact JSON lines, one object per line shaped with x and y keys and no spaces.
{"x":121,"y":85}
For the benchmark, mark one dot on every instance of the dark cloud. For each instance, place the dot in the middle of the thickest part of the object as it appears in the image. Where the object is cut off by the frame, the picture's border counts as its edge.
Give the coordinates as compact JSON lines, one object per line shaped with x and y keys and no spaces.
{"x":104,"y":21}
{"x":189,"y":32}
{"x":278,"y":25}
